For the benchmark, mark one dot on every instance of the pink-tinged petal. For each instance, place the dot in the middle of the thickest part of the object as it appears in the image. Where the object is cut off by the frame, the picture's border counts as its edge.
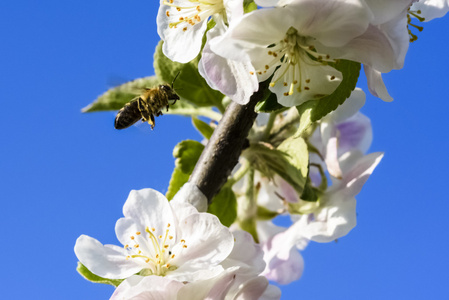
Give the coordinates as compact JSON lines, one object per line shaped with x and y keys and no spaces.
{"x":284,"y":262}
{"x":207,"y":241}
{"x":148,"y":207}
{"x":355,"y":178}
{"x":329,"y":136}
{"x":148,"y":288}
{"x":376,"y":85}
{"x":107,"y":261}
{"x":355,"y":133}
{"x":431,"y":9}
{"x":286,"y":268}
{"x":332,"y":23}
{"x":232,"y":78}
{"x":334,"y":220}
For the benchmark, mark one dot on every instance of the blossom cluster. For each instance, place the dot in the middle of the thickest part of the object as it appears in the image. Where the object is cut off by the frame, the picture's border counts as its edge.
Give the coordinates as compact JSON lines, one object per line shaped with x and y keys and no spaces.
{"x":302,"y":163}
{"x":292,"y":42}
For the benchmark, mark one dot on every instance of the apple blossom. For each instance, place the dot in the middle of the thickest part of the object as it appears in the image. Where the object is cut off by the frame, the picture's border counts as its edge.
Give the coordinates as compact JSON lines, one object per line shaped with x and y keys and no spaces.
{"x":429,"y":9}
{"x":283,"y":41}
{"x":159,"y":238}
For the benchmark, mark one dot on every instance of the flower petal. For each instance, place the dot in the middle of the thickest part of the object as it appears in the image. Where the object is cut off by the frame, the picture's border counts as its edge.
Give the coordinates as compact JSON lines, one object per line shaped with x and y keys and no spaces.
{"x":148,"y":288}
{"x":107,"y":261}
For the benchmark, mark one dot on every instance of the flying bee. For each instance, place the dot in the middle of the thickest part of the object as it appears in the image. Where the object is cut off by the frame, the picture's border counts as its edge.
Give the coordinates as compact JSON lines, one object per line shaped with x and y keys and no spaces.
{"x":146,"y":106}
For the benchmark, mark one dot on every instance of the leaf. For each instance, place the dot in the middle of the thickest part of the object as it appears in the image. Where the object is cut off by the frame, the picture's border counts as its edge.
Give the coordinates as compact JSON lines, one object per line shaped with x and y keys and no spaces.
{"x":205,"y":129}
{"x":269,"y":161}
{"x":269,"y":104}
{"x":249,"y":6}
{"x":305,"y":120}
{"x":185,"y":108}
{"x":297,"y":154}
{"x":309,"y":194}
{"x":189,"y":85}
{"x":320,"y":108}
{"x":94,"y":278}
{"x":187,"y":154}
{"x":117,"y":97}
{"x":264,"y":214}
{"x":224,"y":206}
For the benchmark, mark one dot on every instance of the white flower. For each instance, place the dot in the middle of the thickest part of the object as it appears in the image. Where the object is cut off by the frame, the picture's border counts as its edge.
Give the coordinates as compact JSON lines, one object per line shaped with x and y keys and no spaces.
{"x":336,"y":214}
{"x":181,"y":24}
{"x":159,"y":238}
{"x":239,"y":280}
{"x":282,"y":41}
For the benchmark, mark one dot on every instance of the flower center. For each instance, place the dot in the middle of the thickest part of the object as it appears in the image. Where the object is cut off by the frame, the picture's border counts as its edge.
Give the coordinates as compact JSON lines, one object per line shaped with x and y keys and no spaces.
{"x":294,"y":54}
{"x":192,"y":14}
{"x":416,"y":14}
{"x":155,"y":251}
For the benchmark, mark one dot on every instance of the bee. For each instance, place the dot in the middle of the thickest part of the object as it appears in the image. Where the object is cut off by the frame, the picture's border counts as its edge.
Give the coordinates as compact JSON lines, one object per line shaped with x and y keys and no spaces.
{"x":146,"y":106}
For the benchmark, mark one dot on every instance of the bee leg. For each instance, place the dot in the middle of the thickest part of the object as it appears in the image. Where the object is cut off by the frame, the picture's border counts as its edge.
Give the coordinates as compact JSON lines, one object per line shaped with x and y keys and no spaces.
{"x":168,"y":106}
{"x":151,"y":121}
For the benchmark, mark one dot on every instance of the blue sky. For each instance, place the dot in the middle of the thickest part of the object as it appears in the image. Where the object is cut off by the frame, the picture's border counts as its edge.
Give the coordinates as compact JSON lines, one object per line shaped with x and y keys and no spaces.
{"x":64,"y":173}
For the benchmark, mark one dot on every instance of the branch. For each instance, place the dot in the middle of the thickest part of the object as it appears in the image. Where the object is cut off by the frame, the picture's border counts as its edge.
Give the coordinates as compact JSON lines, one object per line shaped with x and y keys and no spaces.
{"x":223,"y":150}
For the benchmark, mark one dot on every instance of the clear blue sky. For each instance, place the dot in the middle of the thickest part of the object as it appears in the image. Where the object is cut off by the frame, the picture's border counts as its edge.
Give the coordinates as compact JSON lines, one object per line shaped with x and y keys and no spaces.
{"x":64,"y":173}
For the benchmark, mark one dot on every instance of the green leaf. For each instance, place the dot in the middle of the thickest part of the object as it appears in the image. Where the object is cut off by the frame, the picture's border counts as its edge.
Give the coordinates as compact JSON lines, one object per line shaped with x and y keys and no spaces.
{"x":187,"y":154}
{"x":320,"y":108}
{"x":249,"y":6}
{"x":224,"y":206}
{"x":269,"y":104}
{"x":185,"y":108}
{"x":189,"y":85}
{"x":94,"y":278}
{"x":297,"y":154}
{"x":269,"y":161}
{"x":305,"y":120}
{"x":117,"y":97}
{"x":205,"y":129}
{"x":264,"y":214}
{"x":309,"y":193}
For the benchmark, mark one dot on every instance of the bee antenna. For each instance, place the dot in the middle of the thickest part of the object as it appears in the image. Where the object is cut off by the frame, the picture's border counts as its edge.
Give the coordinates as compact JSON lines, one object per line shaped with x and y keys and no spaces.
{"x":175,"y":79}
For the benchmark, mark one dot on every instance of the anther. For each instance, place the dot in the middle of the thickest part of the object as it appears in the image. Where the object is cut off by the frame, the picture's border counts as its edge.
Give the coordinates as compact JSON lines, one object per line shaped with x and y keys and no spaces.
{"x":167,"y":13}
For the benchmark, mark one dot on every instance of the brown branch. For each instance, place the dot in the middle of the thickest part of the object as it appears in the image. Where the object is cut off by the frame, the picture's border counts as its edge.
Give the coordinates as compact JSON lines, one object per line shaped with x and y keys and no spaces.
{"x":225,"y":145}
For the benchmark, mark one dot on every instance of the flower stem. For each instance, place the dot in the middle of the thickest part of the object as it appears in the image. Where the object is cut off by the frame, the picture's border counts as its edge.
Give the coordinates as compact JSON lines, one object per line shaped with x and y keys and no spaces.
{"x":269,"y":126}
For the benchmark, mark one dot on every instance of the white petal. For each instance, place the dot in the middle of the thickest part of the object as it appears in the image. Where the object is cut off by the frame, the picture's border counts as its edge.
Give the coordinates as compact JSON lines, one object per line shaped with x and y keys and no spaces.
{"x":271,"y":293}
{"x":386,"y":10}
{"x":179,"y":45}
{"x":376,"y":85}
{"x":107,"y":261}
{"x":332,"y":23}
{"x":349,"y":108}
{"x":431,"y":9}
{"x":251,"y":289}
{"x":232,"y":78}
{"x":148,"y":288}
{"x":207,"y":241}
{"x":332,"y":221}
{"x":148,"y":207}
{"x":356,"y":177}
{"x":246,"y":253}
